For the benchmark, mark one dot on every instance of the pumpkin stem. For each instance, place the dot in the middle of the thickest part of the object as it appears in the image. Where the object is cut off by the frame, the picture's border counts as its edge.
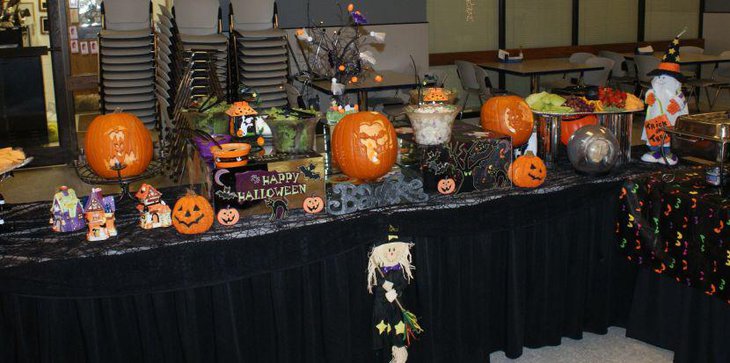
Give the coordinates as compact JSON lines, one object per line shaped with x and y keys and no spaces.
{"x":118,"y":110}
{"x":529,"y":153}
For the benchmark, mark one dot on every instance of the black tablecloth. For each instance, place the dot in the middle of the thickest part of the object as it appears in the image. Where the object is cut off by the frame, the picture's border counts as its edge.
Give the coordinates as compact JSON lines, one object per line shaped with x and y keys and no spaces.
{"x":494,"y":271}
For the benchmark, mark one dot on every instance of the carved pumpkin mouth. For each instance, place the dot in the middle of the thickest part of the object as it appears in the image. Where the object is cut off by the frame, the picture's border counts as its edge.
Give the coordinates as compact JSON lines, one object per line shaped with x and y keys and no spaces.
{"x":227,"y":219}
{"x":533,"y":177}
{"x":191,"y":223}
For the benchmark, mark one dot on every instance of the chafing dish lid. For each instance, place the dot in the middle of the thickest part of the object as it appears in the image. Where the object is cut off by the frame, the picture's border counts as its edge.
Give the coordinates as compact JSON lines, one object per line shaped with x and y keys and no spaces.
{"x":712,"y":125}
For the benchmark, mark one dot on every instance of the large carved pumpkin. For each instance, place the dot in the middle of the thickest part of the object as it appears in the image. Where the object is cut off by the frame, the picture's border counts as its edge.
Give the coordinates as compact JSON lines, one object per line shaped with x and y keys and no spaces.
{"x":509,"y":115}
{"x":527,"y":171}
{"x":192,"y":214}
{"x":364,"y":145}
{"x":118,"y":138}
{"x":570,"y":125}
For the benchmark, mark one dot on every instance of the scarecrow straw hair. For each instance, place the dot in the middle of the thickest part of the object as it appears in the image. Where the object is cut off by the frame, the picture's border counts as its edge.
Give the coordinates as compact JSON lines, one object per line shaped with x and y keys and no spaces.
{"x":376,"y":259}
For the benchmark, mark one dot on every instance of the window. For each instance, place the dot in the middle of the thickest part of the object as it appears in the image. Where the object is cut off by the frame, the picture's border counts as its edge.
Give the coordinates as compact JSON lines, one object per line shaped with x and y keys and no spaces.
{"x":666,"y":18}
{"x":603,"y":22}
{"x":539,"y":23}
{"x":450,"y":31}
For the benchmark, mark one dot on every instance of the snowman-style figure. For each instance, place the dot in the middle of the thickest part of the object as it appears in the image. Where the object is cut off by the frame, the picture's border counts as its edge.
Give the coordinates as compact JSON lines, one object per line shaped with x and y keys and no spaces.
{"x":389,"y":273}
{"x":665,"y":104}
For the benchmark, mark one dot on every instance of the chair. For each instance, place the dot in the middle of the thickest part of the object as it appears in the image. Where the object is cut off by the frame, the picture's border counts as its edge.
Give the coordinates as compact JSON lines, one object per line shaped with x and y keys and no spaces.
{"x":260,"y":56}
{"x":199,"y":25}
{"x":721,"y":76}
{"x":598,"y":78}
{"x":690,"y":71}
{"x":485,"y":84}
{"x":575,"y":58}
{"x":252,"y":15}
{"x":468,"y":79}
{"x":620,"y":73}
{"x":644,"y":65}
{"x":127,"y":59}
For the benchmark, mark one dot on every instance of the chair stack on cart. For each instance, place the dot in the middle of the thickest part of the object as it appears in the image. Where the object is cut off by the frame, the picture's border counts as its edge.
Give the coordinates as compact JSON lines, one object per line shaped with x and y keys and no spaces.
{"x":127,"y":60}
{"x":260,"y":51}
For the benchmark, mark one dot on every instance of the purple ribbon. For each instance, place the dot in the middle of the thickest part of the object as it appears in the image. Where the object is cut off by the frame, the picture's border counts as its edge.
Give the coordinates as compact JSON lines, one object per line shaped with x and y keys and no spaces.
{"x":387,"y":269}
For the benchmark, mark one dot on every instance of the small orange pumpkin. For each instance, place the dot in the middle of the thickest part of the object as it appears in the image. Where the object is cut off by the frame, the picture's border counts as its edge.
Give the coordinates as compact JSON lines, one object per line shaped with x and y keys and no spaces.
{"x":364,"y":145}
{"x":228,"y":216}
{"x":528,"y":171}
{"x":118,"y":138}
{"x":446,"y":186}
{"x":192,"y":214}
{"x":313,"y":204}
{"x":509,"y":115}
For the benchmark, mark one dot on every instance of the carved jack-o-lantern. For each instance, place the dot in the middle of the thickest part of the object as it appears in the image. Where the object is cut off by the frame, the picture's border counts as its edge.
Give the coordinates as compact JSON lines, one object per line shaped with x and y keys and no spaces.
{"x":313,"y":204}
{"x":446,"y":186}
{"x":509,"y":115}
{"x":118,"y":138}
{"x":228,"y":216}
{"x":364,"y":145}
{"x":528,"y":171}
{"x":192,"y":214}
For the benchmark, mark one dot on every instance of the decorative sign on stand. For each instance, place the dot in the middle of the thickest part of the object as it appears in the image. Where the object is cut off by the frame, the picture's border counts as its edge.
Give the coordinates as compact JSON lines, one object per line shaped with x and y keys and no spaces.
{"x":347,"y":198}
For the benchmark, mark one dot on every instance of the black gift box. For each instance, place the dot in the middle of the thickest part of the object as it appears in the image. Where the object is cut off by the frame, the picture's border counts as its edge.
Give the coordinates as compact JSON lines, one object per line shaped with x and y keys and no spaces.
{"x":267,"y":181}
{"x":474,"y":159}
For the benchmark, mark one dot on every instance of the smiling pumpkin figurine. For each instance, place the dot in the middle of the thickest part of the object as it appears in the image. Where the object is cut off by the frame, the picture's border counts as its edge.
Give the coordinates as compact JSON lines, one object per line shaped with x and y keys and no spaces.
{"x":313,"y":204}
{"x":192,"y":214}
{"x":528,"y":171}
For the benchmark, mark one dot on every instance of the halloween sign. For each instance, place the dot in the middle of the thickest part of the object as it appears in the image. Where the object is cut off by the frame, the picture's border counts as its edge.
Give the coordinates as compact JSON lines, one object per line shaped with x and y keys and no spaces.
{"x":655,"y":136}
{"x":270,"y":184}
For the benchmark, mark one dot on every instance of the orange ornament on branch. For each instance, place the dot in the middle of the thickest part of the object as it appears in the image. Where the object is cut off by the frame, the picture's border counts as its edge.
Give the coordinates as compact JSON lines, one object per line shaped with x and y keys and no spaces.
{"x":509,"y":115}
{"x":118,"y":138}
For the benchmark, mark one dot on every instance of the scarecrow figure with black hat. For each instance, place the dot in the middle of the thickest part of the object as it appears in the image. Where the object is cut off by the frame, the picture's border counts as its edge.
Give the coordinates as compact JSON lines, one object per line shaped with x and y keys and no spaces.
{"x":389,"y":273}
{"x":665,"y":103}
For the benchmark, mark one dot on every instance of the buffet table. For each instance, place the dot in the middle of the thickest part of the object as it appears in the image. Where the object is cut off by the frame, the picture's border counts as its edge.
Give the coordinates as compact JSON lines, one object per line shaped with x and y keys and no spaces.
{"x":497,"y":270}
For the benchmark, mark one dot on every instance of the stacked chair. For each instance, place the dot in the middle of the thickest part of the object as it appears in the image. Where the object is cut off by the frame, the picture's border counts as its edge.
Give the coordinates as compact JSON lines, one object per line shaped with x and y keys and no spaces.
{"x":199,"y":25}
{"x":260,"y":51}
{"x":169,"y":61}
{"x":127,"y":59}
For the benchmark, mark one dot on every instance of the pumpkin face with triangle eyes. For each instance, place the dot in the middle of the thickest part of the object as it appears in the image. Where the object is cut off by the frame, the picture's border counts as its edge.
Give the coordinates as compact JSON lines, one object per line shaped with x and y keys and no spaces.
{"x":192,"y":214}
{"x":313,"y":205}
{"x":446,"y":186}
{"x":528,"y":171}
{"x":228,"y":216}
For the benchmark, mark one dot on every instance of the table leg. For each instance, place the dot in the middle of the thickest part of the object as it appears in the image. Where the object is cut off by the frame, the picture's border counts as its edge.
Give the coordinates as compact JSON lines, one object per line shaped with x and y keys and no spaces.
{"x":698,"y":89}
{"x":534,"y":83}
{"x":362,"y":100}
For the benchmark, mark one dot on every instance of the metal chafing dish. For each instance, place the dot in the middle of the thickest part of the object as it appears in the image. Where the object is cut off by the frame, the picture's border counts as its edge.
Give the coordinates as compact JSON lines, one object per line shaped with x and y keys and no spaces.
{"x":704,"y":136}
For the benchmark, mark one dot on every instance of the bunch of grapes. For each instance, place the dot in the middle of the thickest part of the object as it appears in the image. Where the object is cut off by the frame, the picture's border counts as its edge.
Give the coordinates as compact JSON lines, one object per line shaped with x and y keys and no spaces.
{"x":578,"y":104}
{"x":612,"y":97}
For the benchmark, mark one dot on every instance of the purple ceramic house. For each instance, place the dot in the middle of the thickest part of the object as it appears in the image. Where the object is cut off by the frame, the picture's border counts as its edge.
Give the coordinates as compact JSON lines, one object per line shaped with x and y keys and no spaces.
{"x":67,"y":214}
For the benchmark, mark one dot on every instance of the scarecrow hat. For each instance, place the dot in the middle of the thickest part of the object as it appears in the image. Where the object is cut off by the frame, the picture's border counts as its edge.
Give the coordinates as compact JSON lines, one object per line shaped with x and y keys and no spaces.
{"x":392,"y":236}
{"x":670,"y":62}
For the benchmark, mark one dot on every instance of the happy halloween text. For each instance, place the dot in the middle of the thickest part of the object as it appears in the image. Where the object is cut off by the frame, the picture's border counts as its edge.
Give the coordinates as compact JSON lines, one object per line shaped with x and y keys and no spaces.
{"x":258,"y":185}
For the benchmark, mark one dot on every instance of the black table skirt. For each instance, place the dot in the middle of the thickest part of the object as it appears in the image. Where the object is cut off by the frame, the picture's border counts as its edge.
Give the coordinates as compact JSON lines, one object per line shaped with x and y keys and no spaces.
{"x":516,"y":272}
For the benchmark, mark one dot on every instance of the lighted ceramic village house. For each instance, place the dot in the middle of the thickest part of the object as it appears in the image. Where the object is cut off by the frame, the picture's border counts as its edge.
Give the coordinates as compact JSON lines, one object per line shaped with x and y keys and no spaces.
{"x":67,"y":213}
{"x":100,"y":216}
{"x":153,"y":212}
{"x":242,"y":122}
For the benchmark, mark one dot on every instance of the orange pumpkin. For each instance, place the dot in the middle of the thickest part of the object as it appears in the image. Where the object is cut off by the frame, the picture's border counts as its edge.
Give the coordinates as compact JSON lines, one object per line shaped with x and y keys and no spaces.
{"x":527,"y":171}
{"x":118,"y":138}
{"x":509,"y":115}
{"x":313,"y":204}
{"x":446,"y":186}
{"x":192,"y":214}
{"x":570,"y":126}
{"x":364,"y":145}
{"x":228,"y":216}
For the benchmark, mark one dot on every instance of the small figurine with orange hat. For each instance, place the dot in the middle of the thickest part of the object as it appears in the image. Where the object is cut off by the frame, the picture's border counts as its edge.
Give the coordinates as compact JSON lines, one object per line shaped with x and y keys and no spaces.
{"x":244,"y":121}
{"x":665,"y":104}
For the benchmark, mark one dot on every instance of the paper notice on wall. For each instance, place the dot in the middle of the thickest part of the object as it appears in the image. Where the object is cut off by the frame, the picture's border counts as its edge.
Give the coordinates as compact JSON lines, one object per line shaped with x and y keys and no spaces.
{"x":84,"y":46}
{"x":74,"y":46}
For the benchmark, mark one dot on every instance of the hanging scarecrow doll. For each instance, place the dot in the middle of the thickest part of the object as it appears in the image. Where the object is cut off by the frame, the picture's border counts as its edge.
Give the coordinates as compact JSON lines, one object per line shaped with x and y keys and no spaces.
{"x":665,"y":103}
{"x":389,"y":273}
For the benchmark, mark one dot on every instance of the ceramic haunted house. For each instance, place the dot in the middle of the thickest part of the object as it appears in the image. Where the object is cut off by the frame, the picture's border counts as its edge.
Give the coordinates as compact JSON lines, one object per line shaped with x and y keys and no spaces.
{"x":99,"y":212}
{"x":67,"y":213}
{"x":153,"y":212}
